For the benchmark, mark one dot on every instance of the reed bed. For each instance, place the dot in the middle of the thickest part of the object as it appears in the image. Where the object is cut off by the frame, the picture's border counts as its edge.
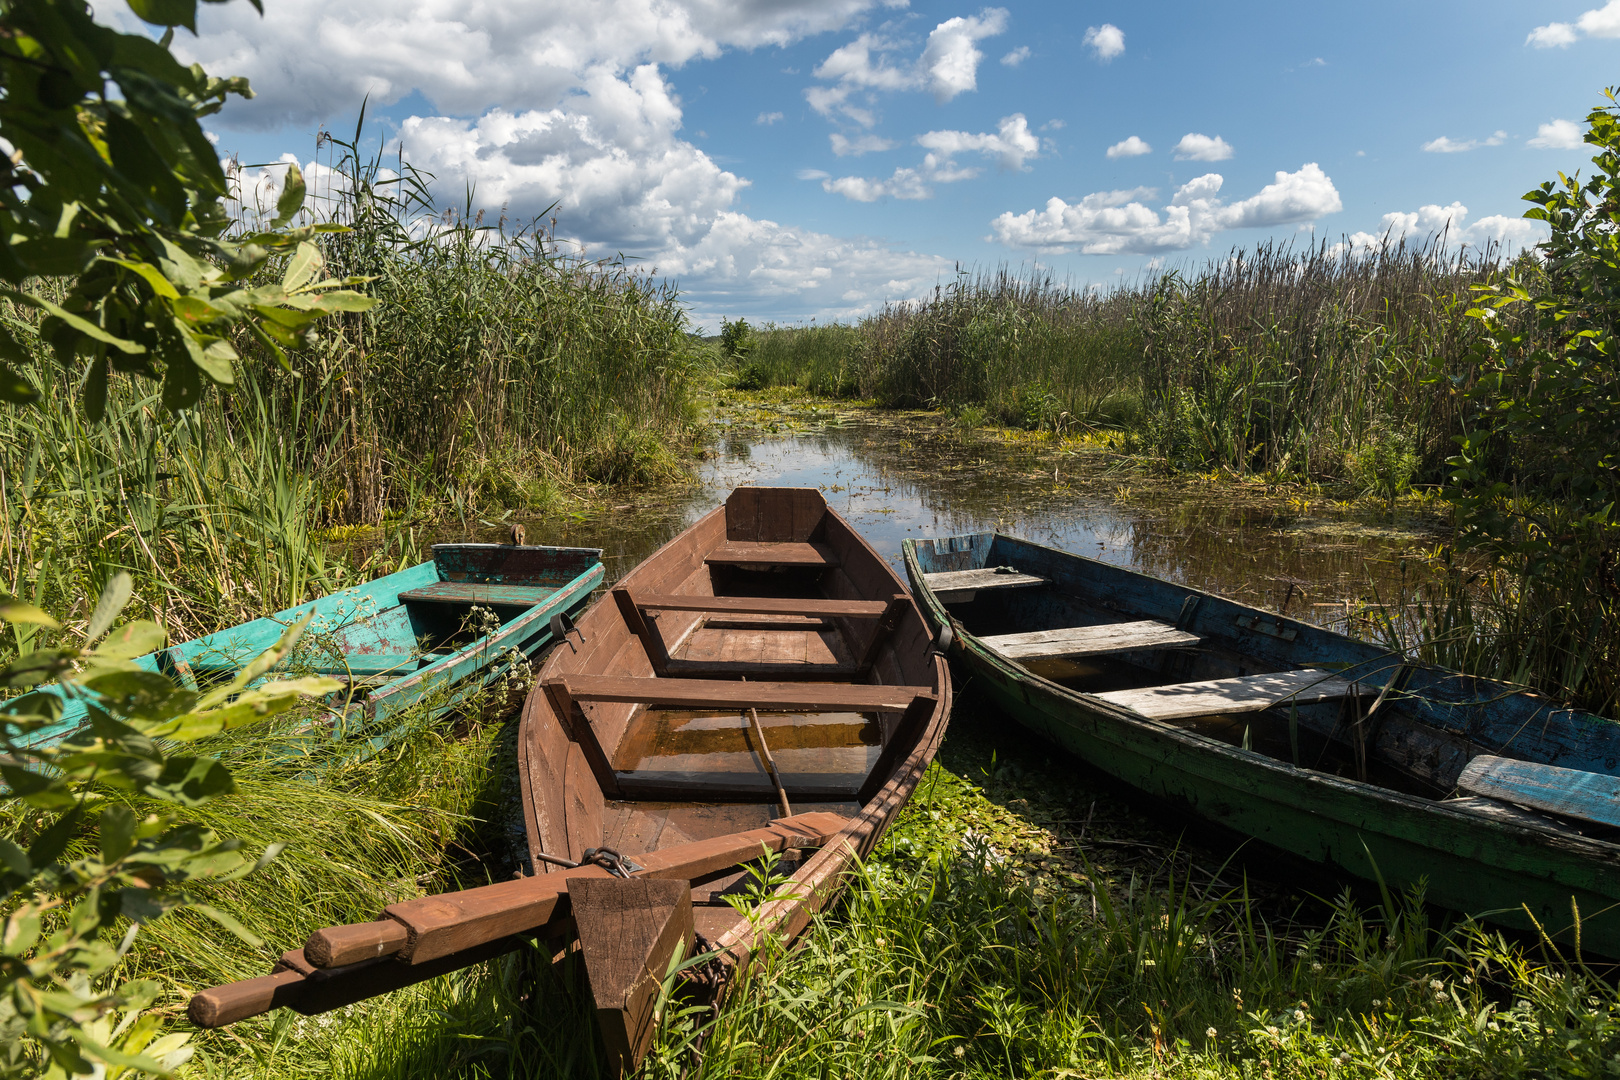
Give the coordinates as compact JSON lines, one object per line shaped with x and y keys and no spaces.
{"x":1304,"y":363}
{"x":496,"y":374}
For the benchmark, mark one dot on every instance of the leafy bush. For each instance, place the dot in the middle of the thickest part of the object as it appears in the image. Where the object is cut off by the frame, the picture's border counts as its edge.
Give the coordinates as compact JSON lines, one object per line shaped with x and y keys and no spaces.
{"x":58,"y":1012}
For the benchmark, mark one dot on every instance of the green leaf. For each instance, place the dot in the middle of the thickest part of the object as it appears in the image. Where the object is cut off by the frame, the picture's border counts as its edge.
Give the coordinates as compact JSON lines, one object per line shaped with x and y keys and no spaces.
{"x":117,"y":833}
{"x":112,"y":601}
{"x":302,"y":267}
{"x":131,"y":640}
{"x":167,"y":12}
{"x":95,"y":390}
{"x":83,"y":326}
{"x":15,"y":858}
{"x":141,"y":695}
{"x":14,"y":388}
{"x":182,"y":386}
{"x":13,"y":610}
{"x":196,"y":311}
{"x":150,"y":274}
{"x":191,"y":781}
{"x":21,"y":932}
{"x":229,"y":922}
{"x":210,"y":362}
{"x":345,"y":300}
{"x":292,"y":196}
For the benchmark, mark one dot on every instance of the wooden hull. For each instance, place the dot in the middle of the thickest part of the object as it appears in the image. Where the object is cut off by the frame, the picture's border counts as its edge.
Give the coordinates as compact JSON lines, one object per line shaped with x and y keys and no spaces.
{"x":768,"y":600}
{"x":1490,"y":861}
{"x":400,"y":639}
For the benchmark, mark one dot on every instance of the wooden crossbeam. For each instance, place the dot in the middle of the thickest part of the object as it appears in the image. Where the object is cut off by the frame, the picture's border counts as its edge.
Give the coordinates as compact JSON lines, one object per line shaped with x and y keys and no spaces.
{"x":955,"y":586}
{"x":1249,"y":693}
{"x":762,"y":605}
{"x":748,"y":553}
{"x":724,"y":694}
{"x":1586,"y":796}
{"x":1090,"y":640}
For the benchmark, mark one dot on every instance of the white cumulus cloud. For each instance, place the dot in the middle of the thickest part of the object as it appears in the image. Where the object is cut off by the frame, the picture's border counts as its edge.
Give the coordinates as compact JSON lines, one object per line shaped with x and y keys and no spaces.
{"x":1131,"y":147}
{"x":948,"y":66}
{"x":1106,"y":41}
{"x":1012,"y":144}
{"x":843,"y":146}
{"x":951,"y":57}
{"x":1558,"y":135}
{"x":1110,"y":222}
{"x":1446,"y":145}
{"x":310,"y":58}
{"x":558,"y":102}
{"x":1195,"y":147}
{"x":767,"y":118}
{"x":1603,"y":22}
{"x":1016,"y":57}
{"x":1449,"y":223}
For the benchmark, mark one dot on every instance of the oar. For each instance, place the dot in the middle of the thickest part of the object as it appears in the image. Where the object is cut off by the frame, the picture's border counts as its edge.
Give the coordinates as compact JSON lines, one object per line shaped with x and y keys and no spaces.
{"x":770,"y":762}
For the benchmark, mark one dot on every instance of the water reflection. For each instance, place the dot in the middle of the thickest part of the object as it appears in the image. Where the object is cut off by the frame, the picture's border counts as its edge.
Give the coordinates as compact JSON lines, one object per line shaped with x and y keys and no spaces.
{"x":893,"y":480}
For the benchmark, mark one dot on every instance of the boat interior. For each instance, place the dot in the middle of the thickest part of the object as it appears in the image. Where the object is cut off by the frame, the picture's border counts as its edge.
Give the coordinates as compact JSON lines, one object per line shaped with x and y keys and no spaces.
{"x":1280,"y":687}
{"x":401,"y":623}
{"x":765,"y":660}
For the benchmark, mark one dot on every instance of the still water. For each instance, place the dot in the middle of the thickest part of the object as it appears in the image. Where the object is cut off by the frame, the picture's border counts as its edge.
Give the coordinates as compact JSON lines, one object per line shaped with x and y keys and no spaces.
{"x":899,"y":477}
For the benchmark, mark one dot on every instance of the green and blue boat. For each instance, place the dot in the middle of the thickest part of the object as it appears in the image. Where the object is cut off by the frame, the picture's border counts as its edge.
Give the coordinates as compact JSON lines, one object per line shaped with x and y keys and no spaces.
{"x":426,"y":636}
{"x":1504,"y":802}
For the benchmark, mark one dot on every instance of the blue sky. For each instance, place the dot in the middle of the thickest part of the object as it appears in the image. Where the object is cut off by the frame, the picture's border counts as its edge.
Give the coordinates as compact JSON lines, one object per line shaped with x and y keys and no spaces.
{"x":789,"y":159}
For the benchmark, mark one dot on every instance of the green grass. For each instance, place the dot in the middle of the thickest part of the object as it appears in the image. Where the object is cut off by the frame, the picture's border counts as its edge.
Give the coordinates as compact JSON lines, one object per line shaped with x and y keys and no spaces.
{"x":1018,"y":921}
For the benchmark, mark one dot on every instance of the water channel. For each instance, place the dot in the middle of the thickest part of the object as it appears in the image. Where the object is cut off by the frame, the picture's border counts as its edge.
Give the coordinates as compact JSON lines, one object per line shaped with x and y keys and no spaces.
{"x":894,"y":477}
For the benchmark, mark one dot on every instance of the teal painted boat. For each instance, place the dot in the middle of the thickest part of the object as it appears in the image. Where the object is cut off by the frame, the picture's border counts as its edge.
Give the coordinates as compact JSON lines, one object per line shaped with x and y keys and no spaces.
{"x":1330,"y":748}
{"x":434,"y":632}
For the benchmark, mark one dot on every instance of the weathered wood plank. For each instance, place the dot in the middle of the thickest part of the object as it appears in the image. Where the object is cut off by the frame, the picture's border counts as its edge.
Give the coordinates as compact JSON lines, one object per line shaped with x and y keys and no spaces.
{"x":747,"y":553}
{"x":1506,"y":813}
{"x":468,"y":592}
{"x":1090,"y":640}
{"x":718,"y":694}
{"x":629,"y":929}
{"x":1585,"y":796}
{"x":954,"y":586}
{"x":1250,"y":693}
{"x":762,"y":605}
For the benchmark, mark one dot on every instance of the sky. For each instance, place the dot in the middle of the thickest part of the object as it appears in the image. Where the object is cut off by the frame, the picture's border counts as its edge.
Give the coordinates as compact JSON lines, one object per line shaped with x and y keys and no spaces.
{"x":790,"y":160}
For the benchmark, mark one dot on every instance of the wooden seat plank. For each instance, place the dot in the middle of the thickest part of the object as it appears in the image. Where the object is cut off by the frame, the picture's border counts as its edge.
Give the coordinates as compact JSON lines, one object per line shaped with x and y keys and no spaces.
{"x":1249,"y":693}
{"x":763,"y":605}
{"x":751,"y":553}
{"x":1573,"y":793}
{"x":724,"y":694}
{"x":955,"y":586}
{"x":1090,"y":640}
{"x":466,"y":592}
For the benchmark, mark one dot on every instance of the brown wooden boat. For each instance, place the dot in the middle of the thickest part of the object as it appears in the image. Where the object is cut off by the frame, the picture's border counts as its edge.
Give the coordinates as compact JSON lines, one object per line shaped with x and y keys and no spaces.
{"x":763,"y":681}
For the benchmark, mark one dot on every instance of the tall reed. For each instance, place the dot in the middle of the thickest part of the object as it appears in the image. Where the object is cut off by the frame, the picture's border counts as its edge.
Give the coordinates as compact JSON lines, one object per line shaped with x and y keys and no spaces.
{"x":1304,"y":362}
{"x":497,"y":372}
